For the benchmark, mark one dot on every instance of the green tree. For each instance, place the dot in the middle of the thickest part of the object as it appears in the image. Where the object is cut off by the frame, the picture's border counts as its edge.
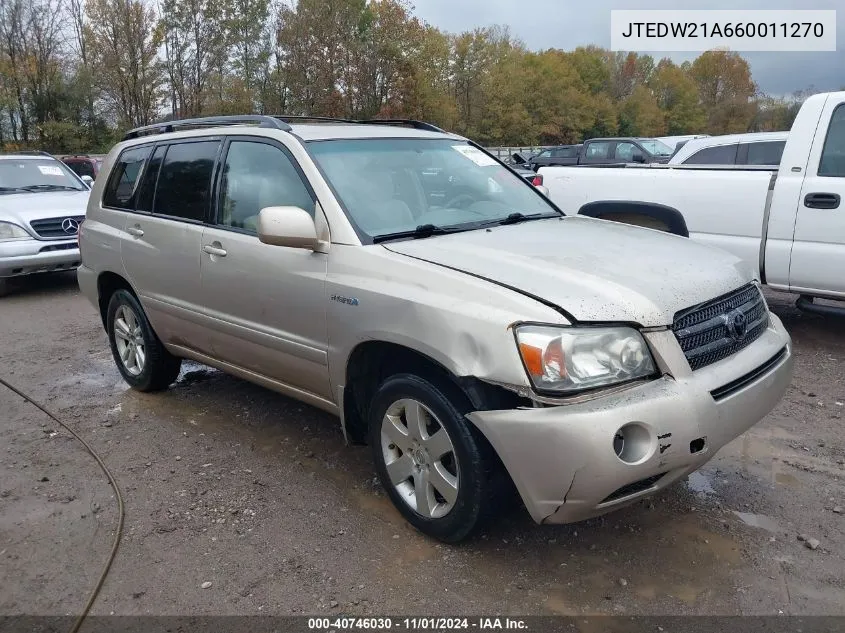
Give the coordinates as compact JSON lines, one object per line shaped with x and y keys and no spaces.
{"x":677,"y":95}
{"x":726,"y":91}
{"x":124,"y":43}
{"x":640,"y":115}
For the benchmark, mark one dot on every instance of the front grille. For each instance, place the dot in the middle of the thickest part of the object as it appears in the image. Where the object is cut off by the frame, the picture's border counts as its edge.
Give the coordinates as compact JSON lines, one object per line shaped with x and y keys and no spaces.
{"x":711,"y":332}
{"x":53,"y":226}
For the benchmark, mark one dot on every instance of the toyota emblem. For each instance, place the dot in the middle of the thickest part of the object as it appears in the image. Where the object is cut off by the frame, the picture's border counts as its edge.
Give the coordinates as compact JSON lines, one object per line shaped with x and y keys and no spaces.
{"x":70,"y":226}
{"x":737,"y":324}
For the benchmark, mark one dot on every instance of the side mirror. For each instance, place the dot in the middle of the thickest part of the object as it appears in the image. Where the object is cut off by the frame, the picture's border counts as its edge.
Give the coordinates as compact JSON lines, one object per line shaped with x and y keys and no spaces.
{"x":287,"y":226}
{"x":518,"y":159}
{"x":638,"y":157}
{"x":87,"y":180}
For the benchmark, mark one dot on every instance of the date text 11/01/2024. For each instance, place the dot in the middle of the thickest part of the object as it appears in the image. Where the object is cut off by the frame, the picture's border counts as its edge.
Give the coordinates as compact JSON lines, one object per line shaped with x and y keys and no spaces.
{"x":418,"y":623}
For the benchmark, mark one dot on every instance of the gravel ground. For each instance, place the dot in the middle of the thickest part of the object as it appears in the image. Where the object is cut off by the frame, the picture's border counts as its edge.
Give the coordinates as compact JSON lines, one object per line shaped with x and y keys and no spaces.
{"x":241,"y":501}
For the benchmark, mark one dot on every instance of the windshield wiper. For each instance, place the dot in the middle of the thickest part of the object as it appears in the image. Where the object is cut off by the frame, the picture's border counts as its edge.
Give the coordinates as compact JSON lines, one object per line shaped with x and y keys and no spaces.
{"x":422,"y":231}
{"x":48,"y":187}
{"x":516,"y":218}
{"x":3,"y":189}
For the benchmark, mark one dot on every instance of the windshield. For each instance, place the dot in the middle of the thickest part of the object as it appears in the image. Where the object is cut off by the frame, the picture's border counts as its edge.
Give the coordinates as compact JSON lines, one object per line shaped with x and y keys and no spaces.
{"x":36,"y":174}
{"x":396,"y":185}
{"x":655,"y":147}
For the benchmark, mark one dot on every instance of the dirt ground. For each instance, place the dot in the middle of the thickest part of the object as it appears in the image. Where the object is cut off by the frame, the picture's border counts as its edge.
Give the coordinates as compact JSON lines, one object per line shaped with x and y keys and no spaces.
{"x":229,"y":484}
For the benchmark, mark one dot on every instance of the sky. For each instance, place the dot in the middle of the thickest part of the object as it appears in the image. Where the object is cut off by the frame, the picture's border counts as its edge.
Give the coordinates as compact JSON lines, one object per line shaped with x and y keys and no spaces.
{"x":566,"y":24}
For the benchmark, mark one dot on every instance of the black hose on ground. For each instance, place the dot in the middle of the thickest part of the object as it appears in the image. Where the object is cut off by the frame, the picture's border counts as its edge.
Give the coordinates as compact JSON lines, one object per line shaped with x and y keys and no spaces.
{"x":120,"y":508}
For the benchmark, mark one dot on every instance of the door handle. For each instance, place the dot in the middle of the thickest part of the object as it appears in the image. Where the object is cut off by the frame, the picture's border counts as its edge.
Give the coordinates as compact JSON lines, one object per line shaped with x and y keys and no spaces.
{"x":135,"y":231}
{"x":822,"y":200}
{"x":215,"y":249}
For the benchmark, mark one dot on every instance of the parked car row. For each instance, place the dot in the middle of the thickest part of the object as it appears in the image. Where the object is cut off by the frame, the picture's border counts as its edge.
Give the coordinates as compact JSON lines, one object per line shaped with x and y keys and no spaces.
{"x":600,"y":151}
{"x":736,"y":149}
{"x":785,"y":221}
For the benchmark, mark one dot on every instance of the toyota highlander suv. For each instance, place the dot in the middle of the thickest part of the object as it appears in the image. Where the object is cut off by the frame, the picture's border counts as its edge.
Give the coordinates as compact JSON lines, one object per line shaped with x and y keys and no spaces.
{"x":42,"y":204}
{"x":443,"y":308}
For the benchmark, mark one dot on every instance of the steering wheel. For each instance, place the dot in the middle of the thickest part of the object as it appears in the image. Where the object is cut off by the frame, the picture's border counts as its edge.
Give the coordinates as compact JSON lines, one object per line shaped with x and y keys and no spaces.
{"x":461,"y":197}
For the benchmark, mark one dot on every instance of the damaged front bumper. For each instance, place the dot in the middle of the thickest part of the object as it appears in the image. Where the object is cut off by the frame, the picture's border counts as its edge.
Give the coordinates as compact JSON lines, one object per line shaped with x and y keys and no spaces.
{"x":576,"y":461}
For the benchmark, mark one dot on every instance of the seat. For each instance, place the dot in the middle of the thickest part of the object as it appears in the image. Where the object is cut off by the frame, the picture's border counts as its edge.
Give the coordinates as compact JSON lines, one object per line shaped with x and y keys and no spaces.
{"x":375,"y":209}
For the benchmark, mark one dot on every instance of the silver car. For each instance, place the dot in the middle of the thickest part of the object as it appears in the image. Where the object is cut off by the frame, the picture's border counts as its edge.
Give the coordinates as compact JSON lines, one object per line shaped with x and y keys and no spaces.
{"x":42,"y":205}
{"x":454,"y":319}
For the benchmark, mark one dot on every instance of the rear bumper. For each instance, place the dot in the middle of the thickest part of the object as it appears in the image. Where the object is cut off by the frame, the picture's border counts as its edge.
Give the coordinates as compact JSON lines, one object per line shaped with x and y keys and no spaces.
{"x":27,"y":257}
{"x":563,"y":461}
{"x":87,"y":279}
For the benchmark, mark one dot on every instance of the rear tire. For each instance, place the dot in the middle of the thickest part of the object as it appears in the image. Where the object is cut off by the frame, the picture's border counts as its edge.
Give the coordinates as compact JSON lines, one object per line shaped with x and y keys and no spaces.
{"x":140,"y":356}
{"x":4,"y":287}
{"x":436,"y":469}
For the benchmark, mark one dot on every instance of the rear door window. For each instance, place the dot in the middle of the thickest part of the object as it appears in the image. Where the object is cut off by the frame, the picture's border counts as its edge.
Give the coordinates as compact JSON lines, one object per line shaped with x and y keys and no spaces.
{"x":184,"y":180}
{"x":597,"y":151}
{"x":721,"y":155}
{"x":122,"y":186}
{"x":768,"y":153}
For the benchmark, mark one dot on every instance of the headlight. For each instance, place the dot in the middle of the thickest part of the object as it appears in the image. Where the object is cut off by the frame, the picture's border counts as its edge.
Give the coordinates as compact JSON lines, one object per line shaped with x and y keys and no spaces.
{"x":9,"y":232}
{"x":565,"y":360}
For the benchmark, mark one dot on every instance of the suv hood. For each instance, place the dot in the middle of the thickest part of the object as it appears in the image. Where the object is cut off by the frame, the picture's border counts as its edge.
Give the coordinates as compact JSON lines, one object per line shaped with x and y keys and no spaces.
{"x":594,"y":270}
{"x":22,"y":208}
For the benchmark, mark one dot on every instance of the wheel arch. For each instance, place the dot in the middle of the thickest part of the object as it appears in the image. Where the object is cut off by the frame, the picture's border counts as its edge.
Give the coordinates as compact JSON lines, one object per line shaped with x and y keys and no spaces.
{"x":108,"y":283}
{"x":371,"y":362}
{"x":623,"y":210}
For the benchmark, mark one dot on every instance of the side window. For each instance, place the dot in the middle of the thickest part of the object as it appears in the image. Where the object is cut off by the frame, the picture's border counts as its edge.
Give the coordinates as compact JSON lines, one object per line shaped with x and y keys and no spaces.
{"x":721,"y":155}
{"x":569,"y":152}
{"x":255,"y":176}
{"x":184,"y":180}
{"x":147,"y":187}
{"x":625,"y":151}
{"x":545,"y":154}
{"x":123,"y":181}
{"x":597,"y":151}
{"x":768,"y":153}
{"x":832,"y":163}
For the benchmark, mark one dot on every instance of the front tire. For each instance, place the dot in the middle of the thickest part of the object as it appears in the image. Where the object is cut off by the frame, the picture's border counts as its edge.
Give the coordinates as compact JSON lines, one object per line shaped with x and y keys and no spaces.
{"x":140,"y":357}
{"x":435,"y":469}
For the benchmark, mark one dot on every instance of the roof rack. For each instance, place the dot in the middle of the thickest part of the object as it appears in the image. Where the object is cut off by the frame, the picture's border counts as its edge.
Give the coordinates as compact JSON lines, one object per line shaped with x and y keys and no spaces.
{"x":212,"y":121}
{"x":276,"y":121}
{"x":298,"y":118}
{"x":417,"y":125}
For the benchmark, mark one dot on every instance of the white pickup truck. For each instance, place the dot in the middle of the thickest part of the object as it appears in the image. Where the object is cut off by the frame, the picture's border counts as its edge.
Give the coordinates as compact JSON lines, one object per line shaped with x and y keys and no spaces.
{"x":788,"y":223}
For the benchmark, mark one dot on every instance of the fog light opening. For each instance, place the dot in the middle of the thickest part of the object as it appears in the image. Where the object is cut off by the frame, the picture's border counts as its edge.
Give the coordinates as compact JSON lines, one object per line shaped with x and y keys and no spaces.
{"x":697,"y":446}
{"x":633,"y":443}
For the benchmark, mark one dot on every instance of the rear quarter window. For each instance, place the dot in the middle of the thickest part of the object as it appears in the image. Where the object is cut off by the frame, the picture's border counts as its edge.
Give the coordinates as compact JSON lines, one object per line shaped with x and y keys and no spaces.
{"x":122,"y":186}
{"x":721,"y":155}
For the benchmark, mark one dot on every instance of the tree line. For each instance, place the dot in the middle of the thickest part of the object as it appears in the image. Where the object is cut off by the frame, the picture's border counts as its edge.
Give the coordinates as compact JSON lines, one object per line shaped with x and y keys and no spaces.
{"x":75,"y":74}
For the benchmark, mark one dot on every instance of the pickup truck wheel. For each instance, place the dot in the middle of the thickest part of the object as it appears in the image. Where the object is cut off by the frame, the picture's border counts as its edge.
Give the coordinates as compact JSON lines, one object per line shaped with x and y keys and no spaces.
{"x":138,"y":353}
{"x":428,"y":460}
{"x":4,"y":287}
